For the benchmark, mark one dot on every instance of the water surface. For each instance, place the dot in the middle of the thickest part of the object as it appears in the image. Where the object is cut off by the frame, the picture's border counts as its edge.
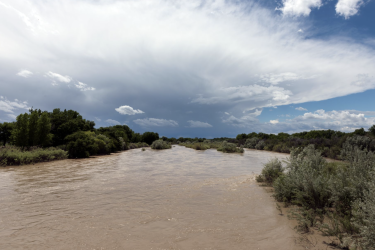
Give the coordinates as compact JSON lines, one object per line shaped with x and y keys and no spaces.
{"x":170,"y":199}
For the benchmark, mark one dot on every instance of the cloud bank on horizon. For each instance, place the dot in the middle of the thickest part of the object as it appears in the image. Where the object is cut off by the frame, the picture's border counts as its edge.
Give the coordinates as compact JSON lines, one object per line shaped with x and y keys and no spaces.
{"x":214,"y":64}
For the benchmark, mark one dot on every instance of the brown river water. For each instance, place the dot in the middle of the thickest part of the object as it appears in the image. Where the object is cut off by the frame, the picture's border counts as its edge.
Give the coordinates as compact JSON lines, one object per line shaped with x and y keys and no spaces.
{"x":169,"y":199}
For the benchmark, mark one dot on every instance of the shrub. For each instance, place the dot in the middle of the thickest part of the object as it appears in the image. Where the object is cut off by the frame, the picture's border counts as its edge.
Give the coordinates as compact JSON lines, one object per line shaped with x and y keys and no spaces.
{"x":138,"y":145}
{"x":260,"y":145}
{"x":271,"y":171}
{"x":304,"y":184}
{"x":227,"y":147}
{"x":160,"y":144}
{"x":12,"y":155}
{"x":365,"y":217}
{"x":252,"y":142}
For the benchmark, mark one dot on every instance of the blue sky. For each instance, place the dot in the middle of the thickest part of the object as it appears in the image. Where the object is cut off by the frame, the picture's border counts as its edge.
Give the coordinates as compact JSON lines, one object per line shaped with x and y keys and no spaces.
{"x":192,"y":68}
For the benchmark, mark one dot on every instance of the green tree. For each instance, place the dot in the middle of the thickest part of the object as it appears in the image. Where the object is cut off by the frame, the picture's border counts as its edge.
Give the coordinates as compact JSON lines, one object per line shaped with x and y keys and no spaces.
{"x":81,"y":145}
{"x":6,"y":132}
{"x":372,"y":130}
{"x":150,"y":137}
{"x":33,"y":128}
{"x":21,"y":132}
{"x":44,"y":129}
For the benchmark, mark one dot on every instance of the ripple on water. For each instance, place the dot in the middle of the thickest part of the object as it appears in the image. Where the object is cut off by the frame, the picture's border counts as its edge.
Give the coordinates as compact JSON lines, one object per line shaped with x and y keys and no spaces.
{"x":170,"y":199}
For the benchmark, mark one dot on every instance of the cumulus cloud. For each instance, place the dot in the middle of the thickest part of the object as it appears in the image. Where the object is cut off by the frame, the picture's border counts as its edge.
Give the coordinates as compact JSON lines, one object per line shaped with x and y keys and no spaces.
{"x":282,"y":77}
{"x":113,"y":122}
{"x":154,"y":122}
{"x":343,"y":120}
{"x":274,"y":121}
{"x":98,"y":119}
{"x":25,"y":73}
{"x":256,"y":93}
{"x":198,"y":124}
{"x":12,"y":116}
{"x":58,"y":77}
{"x":127,"y":110}
{"x":348,"y":8}
{"x":244,"y":121}
{"x":299,"y":7}
{"x":83,"y":86}
{"x":10,"y":106}
{"x":301,"y":109}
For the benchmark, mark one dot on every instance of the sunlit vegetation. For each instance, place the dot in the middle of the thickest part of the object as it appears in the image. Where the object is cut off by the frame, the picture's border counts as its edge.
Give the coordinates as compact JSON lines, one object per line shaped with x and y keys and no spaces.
{"x":336,"y":198}
{"x":12,"y":155}
{"x":223,"y":146}
{"x":160,"y":144}
{"x":29,"y":139}
{"x":329,"y":142}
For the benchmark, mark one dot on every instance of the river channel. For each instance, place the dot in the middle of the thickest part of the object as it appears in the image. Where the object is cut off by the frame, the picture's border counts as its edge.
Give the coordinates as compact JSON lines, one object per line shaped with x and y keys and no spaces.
{"x":170,"y":199}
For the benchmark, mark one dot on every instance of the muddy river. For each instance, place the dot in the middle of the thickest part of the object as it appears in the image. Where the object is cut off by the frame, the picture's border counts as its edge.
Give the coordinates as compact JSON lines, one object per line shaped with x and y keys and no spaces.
{"x":170,"y":199}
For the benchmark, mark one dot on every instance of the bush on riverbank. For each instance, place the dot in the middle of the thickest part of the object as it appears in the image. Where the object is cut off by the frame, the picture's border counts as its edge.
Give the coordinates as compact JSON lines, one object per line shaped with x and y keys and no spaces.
{"x":12,"y":155}
{"x":336,"y":198}
{"x":160,"y":144}
{"x":138,"y":145}
{"x":271,"y":171}
{"x":228,"y":147}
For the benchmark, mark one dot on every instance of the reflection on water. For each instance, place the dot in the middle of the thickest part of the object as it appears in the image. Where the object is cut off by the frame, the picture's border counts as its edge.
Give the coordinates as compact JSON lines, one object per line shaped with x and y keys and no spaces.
{"x":171,"y":199}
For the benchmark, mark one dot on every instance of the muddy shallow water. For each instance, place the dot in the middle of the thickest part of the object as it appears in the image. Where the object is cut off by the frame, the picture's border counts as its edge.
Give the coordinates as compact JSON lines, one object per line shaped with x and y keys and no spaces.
{"x":170,"y":199}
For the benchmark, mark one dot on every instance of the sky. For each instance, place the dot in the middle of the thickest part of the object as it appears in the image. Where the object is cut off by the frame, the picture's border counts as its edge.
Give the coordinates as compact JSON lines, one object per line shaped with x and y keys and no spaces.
{"x":192,"y":68}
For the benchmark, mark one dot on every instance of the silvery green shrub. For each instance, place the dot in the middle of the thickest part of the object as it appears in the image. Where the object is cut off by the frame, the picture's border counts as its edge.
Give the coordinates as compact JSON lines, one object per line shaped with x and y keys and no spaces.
{"x":351,"y":143}
{"x":365,"y":217}
{"x":260,"y":145}
{"x":227,"y":147}
{"x":252,"y":142}
{"x":160,"y":144}
{"x":271,"y":171}
{"x":304,"y":184}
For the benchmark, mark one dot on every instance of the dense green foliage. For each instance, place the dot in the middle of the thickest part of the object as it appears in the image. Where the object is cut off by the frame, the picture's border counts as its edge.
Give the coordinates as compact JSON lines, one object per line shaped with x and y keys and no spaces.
{"x":329,"y":142}
{"x":336,"y":198}
{"x":223,"y":146}
{"x":271,"y":171}
{"x":6,"y":129}
{"x":160,"y":144}
{"x":150,"y":137}
{"x":32,"y":130}
{"x":11,"y":155}
{"x":68,"y":131}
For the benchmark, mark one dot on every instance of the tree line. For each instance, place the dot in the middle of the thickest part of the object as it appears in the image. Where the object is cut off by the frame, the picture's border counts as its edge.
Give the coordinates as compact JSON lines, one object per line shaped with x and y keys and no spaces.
{"x":67,"y":130}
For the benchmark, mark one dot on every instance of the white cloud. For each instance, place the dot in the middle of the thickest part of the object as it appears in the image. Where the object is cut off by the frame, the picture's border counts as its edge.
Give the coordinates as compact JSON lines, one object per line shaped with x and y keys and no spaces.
{"x":127,"y":110}
{"x":348,"y":8}
{"x":10,"y":107}
{"x":25,"y":73}
{"x":83,"y":86}
{"x":98,"y":119}
{"x":299,"y":7}
{"x":274,"y":121}
{"x":342,"y":120}
{"x":226,"y":113}
{"x":154,"y":122}
{"x":254,"y":92}
{"x":113,"y":122}
{"x":301,"y":109}
{"x":244,"y":121}
{"x":58,"y":77}
{"x":282,"y":77}
{"x":198,"y":124}
{"x":12,"y":116}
